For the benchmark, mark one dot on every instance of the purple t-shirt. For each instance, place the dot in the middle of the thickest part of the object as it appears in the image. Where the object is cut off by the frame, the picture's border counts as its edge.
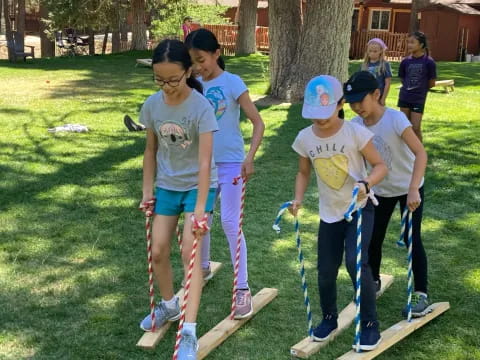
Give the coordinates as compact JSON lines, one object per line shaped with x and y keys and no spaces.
{"x":415,"y":74}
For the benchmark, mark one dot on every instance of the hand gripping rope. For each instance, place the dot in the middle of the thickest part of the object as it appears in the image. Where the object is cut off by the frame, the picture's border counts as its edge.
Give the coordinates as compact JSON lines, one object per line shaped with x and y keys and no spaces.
{"x":236,"y":181}
{"x":202,"y":224}
{"x":348,"y":217}
{"x":276,"y":227}
{"x":149,"y":205}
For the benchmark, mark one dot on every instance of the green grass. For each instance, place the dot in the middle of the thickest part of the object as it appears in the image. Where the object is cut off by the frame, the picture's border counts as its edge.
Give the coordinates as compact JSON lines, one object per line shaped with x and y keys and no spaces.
{"x":73,"y":274}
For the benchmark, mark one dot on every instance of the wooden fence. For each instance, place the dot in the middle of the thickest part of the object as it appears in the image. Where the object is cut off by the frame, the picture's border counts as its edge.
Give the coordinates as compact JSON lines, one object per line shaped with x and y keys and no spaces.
{"x":396,"y":43}
{"x":227,"y":37}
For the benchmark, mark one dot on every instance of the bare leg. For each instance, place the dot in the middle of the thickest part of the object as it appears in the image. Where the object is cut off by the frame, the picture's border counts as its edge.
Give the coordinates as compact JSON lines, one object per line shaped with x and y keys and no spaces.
{"x":163,"y":228}
{"x":196,"y":283}
{"x":416,"y":120}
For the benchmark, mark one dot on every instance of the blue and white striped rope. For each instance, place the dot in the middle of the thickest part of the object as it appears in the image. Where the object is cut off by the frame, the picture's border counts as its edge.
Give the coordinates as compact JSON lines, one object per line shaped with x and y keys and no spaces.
{"x":409,"y":220}
{"x":358,"y":280}
{"x":403,"y":224}
{"x":306,"y":299}
{"x":353,"y":203}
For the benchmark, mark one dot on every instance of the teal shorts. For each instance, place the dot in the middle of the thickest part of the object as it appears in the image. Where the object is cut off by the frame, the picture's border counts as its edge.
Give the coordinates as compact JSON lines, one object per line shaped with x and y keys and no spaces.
{"x":172,"y":203}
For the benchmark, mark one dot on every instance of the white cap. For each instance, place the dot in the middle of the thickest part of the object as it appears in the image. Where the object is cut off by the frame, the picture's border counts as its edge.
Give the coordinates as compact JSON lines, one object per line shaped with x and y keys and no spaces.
{"x":321,"y":98}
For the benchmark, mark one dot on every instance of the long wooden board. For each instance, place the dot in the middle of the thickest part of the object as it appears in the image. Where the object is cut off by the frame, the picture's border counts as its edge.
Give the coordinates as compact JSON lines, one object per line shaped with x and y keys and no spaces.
{"x":398,"y":332}
{"x":150,"y":339}
{"x":307,"y":347}
{"x":227,"y":327}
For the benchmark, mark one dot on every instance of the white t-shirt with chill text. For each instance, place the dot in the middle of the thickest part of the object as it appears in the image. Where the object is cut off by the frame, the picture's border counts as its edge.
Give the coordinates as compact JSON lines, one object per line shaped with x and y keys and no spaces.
{"x":223,"y":93}
{"x":338,"y":163}
{"x":394,"y":151}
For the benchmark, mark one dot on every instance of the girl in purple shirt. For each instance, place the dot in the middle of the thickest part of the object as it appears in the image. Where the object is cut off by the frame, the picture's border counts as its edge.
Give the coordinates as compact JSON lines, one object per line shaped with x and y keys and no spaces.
{"x":417,"y":73}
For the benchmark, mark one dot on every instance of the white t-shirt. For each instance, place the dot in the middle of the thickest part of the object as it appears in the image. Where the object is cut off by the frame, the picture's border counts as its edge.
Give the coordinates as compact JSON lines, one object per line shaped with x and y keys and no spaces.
{"x":394,"y":151}
{"x":338,"y":163}
{"x":223,"y":93}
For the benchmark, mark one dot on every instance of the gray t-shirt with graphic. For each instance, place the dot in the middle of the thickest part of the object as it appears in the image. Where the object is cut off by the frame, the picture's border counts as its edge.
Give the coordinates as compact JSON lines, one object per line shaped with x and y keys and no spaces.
{"x":178,"y":129}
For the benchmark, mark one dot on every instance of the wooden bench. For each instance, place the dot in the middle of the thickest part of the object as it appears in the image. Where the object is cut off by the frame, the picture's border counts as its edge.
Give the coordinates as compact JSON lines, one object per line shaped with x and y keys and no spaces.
{"x":446,"y":84}
{"x":145,"y":62}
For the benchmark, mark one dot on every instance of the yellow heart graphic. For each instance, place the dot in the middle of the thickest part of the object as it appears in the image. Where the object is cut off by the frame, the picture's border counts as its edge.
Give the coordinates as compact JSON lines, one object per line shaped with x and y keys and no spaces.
{"x":333,"y":171}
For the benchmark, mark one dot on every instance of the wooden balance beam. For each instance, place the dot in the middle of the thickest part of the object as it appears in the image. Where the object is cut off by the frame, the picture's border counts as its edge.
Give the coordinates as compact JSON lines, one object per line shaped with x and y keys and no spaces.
{"x":398,"y":332}
{"x":447,"y":84}
{"x":150,"y":339}
{"x":307,"y":347}
{"x":227,"y":327}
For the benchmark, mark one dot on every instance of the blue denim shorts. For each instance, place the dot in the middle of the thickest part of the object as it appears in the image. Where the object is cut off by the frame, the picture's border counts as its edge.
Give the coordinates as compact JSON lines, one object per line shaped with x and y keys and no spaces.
{"x":172,"y":203}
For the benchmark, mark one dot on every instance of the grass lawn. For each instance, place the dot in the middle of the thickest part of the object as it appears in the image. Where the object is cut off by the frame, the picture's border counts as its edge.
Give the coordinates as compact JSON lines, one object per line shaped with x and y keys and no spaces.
{"x":73,"y":275}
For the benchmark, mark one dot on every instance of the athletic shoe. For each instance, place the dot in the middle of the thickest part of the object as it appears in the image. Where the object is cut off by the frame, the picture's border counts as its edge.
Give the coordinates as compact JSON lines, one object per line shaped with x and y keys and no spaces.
{"x":243,"y":304}
{"x":206,"y":273}
{"x":162,"y":315}
{"x":369,"y":336}
{"x":420,"y":306}
{"x":132,"y":125}
{"x":188,"y":346}
{"x":323,"y":331}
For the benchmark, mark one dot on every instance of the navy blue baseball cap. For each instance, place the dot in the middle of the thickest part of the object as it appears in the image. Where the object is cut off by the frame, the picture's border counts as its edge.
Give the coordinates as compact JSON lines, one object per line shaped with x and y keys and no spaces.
{"x":359,"y":85}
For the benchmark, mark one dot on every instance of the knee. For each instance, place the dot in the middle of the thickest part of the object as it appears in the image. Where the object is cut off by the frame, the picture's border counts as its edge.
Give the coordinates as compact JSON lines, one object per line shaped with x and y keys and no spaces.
{"x":229,"y":226}
{"x":160,"y":253}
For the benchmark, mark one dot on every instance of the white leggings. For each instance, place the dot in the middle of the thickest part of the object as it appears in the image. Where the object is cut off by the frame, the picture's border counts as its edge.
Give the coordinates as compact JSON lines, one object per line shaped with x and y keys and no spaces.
{"x":230,"y":198}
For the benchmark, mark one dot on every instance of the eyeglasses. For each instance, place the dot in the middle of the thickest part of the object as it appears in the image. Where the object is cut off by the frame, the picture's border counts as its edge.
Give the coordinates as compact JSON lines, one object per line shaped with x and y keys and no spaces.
{"x":171,"y":83}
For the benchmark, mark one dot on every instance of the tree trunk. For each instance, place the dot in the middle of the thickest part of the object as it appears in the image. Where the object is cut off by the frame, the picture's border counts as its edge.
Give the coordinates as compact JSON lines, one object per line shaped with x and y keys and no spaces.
{"x":284,"y":33}
{"x":47,"y":46}
{"x":139,"y":29}
{"x":8,"y":28}
{"x":116,"y":28}
{"x":247,"y":22}
{"x":416,"y":6}
{"x":1,"y":14}
{"x":105,"y":40}
{"x":20,"y":23}
{"x":91,"y":41}
{"x":321,"y":47}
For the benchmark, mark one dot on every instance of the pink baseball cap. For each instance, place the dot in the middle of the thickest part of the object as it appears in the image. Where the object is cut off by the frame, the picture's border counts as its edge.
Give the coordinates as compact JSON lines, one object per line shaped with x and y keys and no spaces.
{"x":379,"y":42}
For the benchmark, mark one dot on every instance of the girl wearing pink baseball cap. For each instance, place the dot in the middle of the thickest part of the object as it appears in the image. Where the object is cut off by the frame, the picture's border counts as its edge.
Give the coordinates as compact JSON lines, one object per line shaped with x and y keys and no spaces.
{"x":374,"y":61}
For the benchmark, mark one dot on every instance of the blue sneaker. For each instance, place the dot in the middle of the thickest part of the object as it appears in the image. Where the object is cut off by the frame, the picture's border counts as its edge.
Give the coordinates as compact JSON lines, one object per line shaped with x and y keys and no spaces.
{"x":370,"y":336}
{"x":420,"y":306}
{"x":188,"y":347}
{"x":323,"y":331}
{"x":162,"y":315}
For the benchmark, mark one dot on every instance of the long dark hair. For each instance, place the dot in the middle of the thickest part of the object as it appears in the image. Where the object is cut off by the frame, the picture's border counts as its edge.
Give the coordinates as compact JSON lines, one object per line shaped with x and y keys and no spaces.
{"x":175,"y":51}
{"x":422,"y":39}
{"x":203,"y":39}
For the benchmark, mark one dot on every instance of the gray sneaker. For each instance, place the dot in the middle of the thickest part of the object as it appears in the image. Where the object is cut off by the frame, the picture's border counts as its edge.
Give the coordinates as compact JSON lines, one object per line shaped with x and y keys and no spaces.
{"x":243,"y":304}
{"x":420,"y":306}
{"x":188,"y":346}
{"x":162,"y":315}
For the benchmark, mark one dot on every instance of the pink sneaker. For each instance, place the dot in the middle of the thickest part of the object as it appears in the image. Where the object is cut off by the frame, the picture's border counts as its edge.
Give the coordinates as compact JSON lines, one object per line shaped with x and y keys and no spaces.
{"x":243,"y":305}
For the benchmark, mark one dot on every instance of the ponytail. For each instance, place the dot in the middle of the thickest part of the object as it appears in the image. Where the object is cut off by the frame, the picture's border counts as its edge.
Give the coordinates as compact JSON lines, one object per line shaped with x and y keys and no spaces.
{"x":205,"y":40}
{"x":195,"y":84}
{"x":221,"y":62}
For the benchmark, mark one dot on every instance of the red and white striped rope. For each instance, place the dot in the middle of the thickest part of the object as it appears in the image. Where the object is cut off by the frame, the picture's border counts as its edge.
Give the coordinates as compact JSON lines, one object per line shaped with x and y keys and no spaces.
{"x":236,"y":181}
{"x":202,"y":224}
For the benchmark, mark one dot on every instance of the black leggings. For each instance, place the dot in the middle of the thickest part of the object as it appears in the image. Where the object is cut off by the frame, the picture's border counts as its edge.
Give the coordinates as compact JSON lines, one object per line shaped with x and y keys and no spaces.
{"x":383,"y":213}
{"x":334,"y":239}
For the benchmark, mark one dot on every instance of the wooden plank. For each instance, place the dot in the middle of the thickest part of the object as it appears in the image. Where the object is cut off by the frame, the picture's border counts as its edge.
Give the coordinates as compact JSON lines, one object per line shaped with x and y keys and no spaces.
{"x":307,"y":347}
{"x":398,"y":332}
{"x":150,"y":339}
{"x":227,"y":327}
{"x":444,"y":83}
{"x":145,"y":62}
